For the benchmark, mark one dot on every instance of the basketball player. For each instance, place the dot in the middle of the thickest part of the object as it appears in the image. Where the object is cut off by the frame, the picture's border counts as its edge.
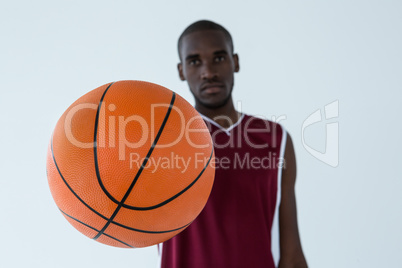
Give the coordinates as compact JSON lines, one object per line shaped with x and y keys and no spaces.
{"x":250,"y":218}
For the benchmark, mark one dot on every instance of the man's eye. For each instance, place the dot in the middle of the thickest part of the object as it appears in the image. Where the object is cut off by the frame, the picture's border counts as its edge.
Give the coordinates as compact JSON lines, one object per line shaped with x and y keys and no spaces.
{"x":219,"y":58}
{"x":194,"y":62}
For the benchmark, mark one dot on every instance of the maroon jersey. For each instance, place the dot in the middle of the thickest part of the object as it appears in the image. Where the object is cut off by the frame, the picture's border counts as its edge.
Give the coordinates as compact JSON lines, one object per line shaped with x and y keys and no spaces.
{"x":239,"y":224}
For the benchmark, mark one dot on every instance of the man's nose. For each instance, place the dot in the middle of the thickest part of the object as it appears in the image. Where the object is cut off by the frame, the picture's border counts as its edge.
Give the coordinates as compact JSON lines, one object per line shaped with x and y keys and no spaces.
{"x":208,"y":72}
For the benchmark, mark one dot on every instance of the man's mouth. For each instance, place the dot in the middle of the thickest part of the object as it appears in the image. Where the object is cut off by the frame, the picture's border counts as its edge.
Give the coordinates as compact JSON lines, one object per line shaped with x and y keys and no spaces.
{"x":212,"y":88}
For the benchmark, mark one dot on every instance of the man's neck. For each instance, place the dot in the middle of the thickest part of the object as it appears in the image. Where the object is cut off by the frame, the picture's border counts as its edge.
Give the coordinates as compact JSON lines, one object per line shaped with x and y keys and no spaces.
{"x":224,"y":116}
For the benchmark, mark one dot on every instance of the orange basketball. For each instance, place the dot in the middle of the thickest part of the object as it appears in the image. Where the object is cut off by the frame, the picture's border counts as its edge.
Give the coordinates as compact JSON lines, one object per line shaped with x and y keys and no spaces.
{"x":129,"y":164}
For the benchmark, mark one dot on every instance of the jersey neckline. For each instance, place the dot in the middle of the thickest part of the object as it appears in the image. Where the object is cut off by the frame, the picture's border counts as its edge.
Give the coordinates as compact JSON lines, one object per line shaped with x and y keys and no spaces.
{"x":226,"y":130}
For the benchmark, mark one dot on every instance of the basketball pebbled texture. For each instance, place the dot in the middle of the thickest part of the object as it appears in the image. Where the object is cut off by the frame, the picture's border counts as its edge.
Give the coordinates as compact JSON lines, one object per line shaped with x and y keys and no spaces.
{"x":116,"y":164}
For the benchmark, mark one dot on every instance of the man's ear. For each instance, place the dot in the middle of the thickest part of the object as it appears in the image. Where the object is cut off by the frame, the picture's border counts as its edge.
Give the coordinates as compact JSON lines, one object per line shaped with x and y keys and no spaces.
{"x":180,"y":69}
{"x":236,"y":63}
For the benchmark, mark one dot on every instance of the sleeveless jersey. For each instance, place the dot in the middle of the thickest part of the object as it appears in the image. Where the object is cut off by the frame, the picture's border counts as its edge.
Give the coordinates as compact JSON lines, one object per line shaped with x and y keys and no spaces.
{"x":239,"y":225}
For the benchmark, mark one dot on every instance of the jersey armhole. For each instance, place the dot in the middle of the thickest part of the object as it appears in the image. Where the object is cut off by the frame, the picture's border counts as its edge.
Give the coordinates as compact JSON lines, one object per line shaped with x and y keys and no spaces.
{"x":275,"y":249}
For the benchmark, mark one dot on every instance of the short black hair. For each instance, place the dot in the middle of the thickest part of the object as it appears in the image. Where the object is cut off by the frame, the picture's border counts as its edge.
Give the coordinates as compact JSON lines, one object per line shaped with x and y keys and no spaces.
{"x":203,"y":25}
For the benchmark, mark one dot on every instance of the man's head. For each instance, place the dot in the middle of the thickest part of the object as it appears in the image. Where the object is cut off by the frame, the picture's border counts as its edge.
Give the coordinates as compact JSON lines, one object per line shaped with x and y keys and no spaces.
{"x":207,"y":63}
{"x":204,"y":25}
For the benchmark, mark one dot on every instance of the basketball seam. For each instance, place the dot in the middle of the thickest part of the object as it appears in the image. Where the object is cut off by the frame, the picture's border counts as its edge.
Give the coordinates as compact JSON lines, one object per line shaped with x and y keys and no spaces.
{"x":96,"y":212}
{"x":89,"y":226}
{"x":178,"y":194}
{"x":99,"y":176}
{"x":96,"y":147}
{"x":153,"y":232}
{"x":119,"y":206}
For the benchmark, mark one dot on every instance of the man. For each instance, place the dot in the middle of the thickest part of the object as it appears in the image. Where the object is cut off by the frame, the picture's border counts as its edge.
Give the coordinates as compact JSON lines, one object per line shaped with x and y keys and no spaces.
{"x":254,"y":187}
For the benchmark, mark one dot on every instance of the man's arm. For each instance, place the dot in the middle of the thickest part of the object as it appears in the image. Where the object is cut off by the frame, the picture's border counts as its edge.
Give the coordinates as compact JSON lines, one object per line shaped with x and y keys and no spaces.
{"x":291,"y":253}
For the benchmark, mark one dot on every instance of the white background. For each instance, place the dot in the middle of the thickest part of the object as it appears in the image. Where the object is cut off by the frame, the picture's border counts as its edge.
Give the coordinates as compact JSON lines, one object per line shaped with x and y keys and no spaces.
{"x":295,"y":57}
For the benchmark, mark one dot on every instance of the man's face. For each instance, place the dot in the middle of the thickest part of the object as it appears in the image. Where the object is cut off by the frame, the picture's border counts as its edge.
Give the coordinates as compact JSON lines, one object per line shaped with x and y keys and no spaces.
{"x":208,"y":65}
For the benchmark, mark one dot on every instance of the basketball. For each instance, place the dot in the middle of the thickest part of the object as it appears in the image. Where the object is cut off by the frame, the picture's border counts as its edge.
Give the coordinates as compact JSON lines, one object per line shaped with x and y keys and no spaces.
{"x":129,"y":164}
